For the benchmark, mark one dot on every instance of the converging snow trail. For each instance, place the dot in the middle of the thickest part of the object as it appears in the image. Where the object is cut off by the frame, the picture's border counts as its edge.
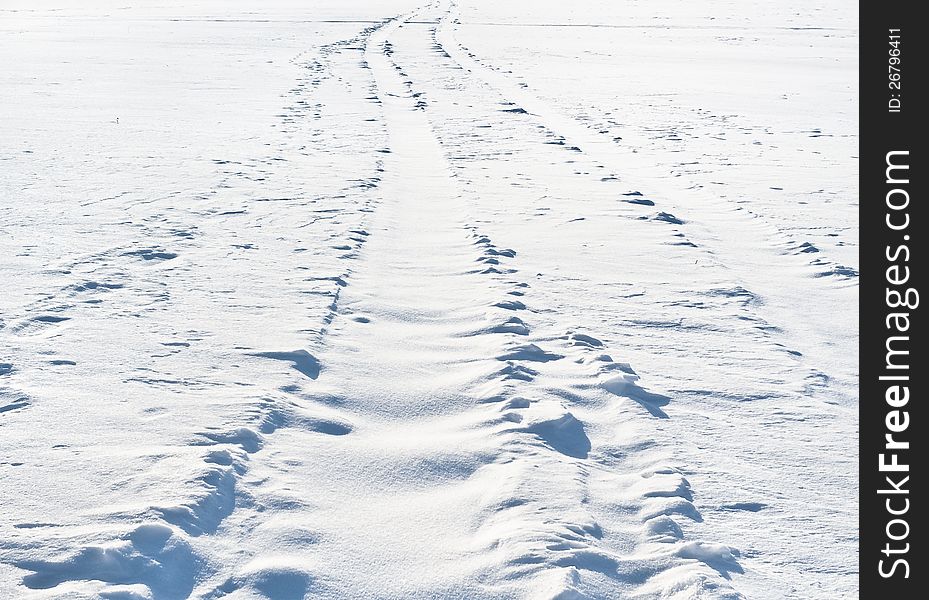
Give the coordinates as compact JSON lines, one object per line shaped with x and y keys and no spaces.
{"x":452,"y":471}
{"x":403,"y":322}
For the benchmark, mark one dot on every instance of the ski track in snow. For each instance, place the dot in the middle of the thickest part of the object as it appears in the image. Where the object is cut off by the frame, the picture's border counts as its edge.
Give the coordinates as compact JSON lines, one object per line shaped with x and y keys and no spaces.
{"x":381,"y":348}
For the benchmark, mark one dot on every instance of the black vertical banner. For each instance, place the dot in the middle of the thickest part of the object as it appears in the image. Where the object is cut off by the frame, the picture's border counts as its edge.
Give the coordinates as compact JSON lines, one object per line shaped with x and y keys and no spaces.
{"x":893,"y":366}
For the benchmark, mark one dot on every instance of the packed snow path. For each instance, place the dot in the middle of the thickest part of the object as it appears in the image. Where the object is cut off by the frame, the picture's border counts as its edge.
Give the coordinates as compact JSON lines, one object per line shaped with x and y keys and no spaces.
{"x":393,"y":348}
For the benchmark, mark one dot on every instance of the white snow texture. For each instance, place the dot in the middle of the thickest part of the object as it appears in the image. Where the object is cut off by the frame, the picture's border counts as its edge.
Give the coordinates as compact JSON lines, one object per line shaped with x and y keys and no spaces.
{"x":450,"y":299}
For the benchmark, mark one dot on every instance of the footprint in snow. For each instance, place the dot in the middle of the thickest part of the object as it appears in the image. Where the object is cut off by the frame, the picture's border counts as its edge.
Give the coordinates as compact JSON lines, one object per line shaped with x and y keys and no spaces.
{"x":150,"y":254}
{"x":38,"y":324}
{"x":301,"y":360}
{"x":511,"y":325}
{"x":564,"y":434}
{"x":517,"y":372}
{"x":245,"y":438}
{"x":582,"y":339}
{"x":529,"y":352}
{"x":15,"y":405}
{"x":625,"y":385}
{"x":807,"y":248}
{"x":746,"y":506}
{"x":667,"y":218}
{"x":511,"y":305}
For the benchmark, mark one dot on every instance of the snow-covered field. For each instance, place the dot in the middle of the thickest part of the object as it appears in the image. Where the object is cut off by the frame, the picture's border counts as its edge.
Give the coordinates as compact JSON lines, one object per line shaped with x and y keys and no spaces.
{"x":396,"y":300}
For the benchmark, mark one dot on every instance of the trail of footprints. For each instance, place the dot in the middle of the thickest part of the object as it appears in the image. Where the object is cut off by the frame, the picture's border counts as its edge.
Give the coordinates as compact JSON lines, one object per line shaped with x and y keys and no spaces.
{"x":542,"y":430}
{"x":221,"y":491}
{"x":546,"y":442}
{"x":160,"y":551}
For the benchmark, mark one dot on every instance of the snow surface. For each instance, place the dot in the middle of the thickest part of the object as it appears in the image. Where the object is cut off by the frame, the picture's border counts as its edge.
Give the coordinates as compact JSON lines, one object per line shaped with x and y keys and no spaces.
{"x":454,"y":300}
